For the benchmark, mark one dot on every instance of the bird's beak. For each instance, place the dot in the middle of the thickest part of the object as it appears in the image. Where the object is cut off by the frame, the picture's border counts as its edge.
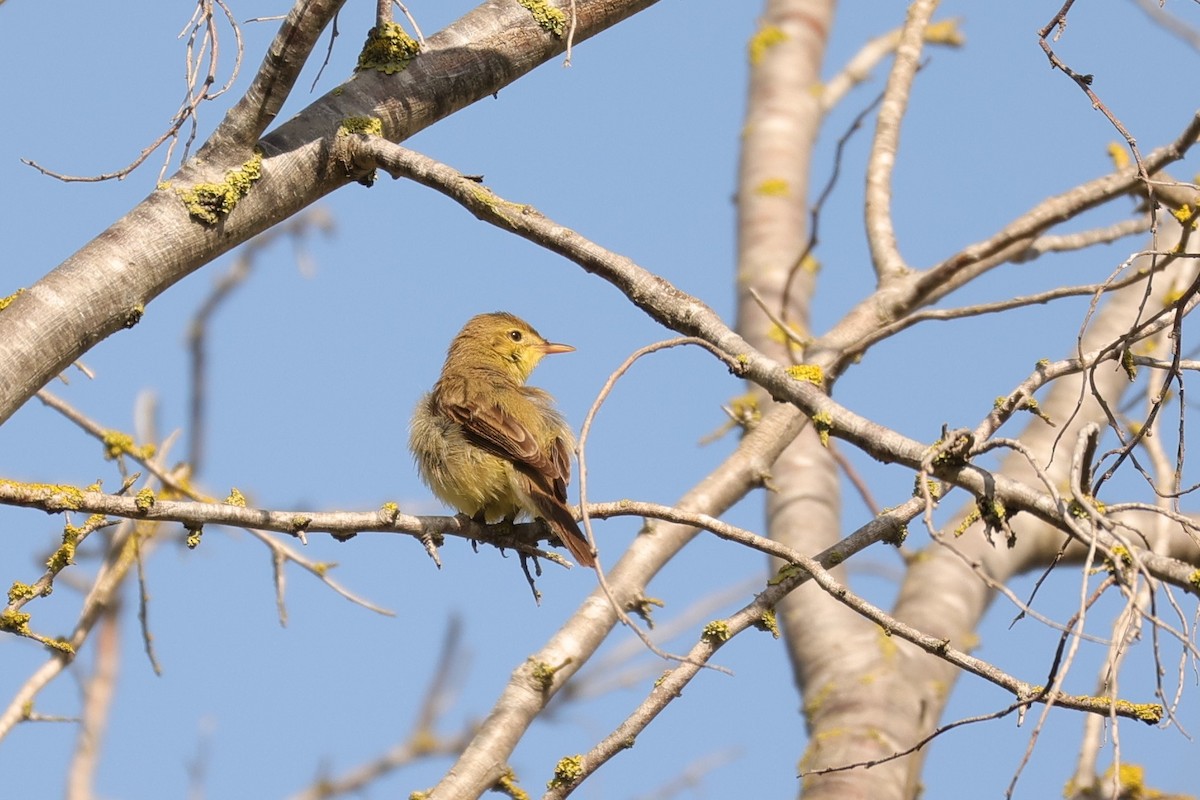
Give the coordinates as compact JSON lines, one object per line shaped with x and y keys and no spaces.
{"x":549,"y":348}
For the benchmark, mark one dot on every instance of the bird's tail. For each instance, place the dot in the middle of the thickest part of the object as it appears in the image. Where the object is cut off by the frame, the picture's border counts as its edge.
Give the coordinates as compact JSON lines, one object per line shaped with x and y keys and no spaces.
{"x":560,"y":520}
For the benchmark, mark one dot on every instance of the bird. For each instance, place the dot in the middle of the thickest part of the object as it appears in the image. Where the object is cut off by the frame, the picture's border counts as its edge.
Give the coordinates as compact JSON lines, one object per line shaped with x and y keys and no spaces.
{"x":490,"y":446}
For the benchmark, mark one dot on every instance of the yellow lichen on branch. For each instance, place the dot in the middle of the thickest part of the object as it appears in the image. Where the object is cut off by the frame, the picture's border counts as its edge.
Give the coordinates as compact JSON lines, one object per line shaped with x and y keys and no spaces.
{"x":367,"y":125}
{"x":211,"y":202}
{"x":767,"y":37}
{"x":567,"y":772}
{"x":388,"y":49}
{"x":5,"y":301}
{"x":550,"y":19}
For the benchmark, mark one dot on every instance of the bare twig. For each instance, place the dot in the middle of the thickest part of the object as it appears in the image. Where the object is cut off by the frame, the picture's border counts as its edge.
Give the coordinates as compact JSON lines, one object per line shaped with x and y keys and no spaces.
{"x":198,"y":90}
{"x":881,"y":234}
{"x":583,"y":472}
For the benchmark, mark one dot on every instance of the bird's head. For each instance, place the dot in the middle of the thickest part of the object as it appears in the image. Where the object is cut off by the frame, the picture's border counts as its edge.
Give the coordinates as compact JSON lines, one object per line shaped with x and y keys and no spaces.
{"x":502,"y":342}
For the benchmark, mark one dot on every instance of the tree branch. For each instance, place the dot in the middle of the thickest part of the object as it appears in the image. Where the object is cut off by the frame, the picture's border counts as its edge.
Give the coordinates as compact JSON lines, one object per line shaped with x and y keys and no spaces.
{"x":107,"y":285}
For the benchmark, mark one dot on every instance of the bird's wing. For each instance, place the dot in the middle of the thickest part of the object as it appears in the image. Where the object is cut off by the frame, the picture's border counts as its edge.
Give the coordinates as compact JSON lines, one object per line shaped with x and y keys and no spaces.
{"x":490,"y":427}
{"x":560,"y":467}
{"x":548,"y":469}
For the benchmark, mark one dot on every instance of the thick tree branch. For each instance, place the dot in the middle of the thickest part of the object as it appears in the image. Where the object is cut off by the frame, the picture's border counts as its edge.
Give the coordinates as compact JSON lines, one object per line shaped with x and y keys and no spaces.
{"x":108,"y":284}
{"x":285,"y":58}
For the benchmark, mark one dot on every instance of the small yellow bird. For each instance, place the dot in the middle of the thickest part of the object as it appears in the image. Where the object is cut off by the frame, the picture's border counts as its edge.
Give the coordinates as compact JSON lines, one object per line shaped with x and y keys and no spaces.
{"x":491,"y":446}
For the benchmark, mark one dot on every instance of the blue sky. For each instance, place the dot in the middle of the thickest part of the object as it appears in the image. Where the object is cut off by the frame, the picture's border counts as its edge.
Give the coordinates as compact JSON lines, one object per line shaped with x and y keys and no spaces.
{"x":314,"y":374}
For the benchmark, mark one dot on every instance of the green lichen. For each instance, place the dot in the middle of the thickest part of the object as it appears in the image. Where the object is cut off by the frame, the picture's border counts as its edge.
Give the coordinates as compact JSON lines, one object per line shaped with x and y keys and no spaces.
{"x":1185,"y":215}
{"x":992,"y":511}
{"x":1031,"y":405}
{"x":1121,"y":559}
{"x":1131,"y":785}
{"x":785,"y":572}
{"x":823,"y":422}
{"x":995,"y":517}
{"x":507,"y":784}
{"x":236,"y":498}
{"x":368,"y":125}
{"x":506,"y":210}
{"x":773,"y":187}
{"x":945,"y":32}
{"x":807,"y":372}
{"x":209,"y":203}
{"x":134,"y":315}
{"x":550,"y":19}
{"x":15,"y":622}
{"x":388,"y":49}
{"x":767,"y":37}
{"x":193,"y":536}
{"x":566,"y":772}
{"x":717,"y":631}
{"x":793,"y":335}
{"x":300,"y":522}
{"x":1132,"y":779}
{"x":58,"y":643}
{"x":1077,"y":510}
{"x":543,"y":675}
{"x":815,"y":701}
{"x":6,"y":301}
{"x":951,"y":454}
{"x":767,"y":622}
{"x":117,"y":444}
{"x":644,"y":607}
{"x":389,"y":511}
{"x":897,"y":536}
{"x":1194,"y":580}
{"x":970,"y":519}
{"x":744,"y":409}
{"x":144,"y":500}
{"x":1128,"y":364}
{"x":20,"y":591}
{"x":933,"y":487}
{"x":1150,"y":713}
{"x":64,"y":556}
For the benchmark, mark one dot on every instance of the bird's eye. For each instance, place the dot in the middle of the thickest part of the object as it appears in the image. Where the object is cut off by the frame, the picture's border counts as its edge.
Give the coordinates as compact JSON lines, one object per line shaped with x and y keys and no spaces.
{"x":515,"y":335}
